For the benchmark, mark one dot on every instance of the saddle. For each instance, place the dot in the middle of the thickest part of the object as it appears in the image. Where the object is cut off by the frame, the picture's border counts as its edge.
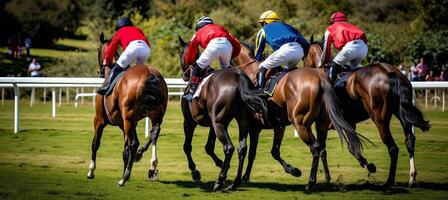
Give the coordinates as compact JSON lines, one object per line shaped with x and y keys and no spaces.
{"x":274,"y":79}
{"x":114,"y":82}
{"x":341,"y":82}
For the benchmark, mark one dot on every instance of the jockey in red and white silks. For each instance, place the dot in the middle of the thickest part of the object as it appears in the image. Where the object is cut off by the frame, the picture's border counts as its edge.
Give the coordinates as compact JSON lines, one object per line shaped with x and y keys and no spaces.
{"x":349,"y":39}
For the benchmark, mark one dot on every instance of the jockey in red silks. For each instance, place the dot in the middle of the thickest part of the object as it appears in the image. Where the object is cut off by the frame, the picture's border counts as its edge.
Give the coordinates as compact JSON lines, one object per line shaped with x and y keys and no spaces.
{"x":135,"y":47}
{"x":217,"y":42}
{"x":349,"y":39}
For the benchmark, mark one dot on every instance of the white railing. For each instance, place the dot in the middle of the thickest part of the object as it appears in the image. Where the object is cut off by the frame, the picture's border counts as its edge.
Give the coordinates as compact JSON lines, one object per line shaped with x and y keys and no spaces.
{"x":59,"y":82}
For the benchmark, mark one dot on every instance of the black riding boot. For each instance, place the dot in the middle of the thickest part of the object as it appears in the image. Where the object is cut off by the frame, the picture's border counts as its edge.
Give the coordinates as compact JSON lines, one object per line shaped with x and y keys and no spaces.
{"x":113,"y":73}
{"x":260,"y":77}
{"x":194,"y":82}
{"x":333,"y":71}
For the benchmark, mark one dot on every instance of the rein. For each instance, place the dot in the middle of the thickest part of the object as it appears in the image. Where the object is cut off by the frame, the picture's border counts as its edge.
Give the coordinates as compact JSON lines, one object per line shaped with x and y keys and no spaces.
{"x":250,"y":62}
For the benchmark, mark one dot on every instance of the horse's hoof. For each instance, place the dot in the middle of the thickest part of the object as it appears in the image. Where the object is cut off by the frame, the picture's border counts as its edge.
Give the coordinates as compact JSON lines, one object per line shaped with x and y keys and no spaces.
{"x":153,"y":174}
{"x":121,"y":183}
{"x":311,"y":187}
{"x":138,"y":157}
{"x":217,"y":187}
{"x":371,"y":168}
{"x":90,"y":175}
{"x":413,"y":184}
{"x":232,"y":187}
{"x":296,"y":172}
{"x":196,"y":175}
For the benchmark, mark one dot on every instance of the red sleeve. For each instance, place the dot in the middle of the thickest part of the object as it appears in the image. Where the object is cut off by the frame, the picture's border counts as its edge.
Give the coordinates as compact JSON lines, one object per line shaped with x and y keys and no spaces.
{"x":328,"y":43}
{"x":192,"y":51}
{"x":112,"y":49}
{"x":236,"y":46}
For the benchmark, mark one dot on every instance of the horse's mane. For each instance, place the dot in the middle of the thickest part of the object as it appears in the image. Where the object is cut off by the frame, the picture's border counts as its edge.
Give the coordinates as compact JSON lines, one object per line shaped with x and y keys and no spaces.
{"x":250,"y":47}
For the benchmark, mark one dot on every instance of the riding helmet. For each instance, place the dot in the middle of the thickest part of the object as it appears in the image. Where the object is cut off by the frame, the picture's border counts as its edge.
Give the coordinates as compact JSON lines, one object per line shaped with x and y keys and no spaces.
{"x":337,"y":17}
{"x":122,"y":22}
{"x":204,"y":20}
{"x":268,"y":17}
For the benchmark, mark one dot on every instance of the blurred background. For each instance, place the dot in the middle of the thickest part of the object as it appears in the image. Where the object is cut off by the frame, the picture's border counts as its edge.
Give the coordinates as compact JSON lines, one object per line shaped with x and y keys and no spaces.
{"x":63,"y":34}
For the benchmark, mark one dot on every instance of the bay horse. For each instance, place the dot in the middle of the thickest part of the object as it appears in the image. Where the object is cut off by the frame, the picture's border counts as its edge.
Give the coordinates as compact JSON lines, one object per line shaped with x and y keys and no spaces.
{"x":378,"y":91}
{"x":141,"y":92}
{"x":302,"y":97}
{"x":226,"y":95}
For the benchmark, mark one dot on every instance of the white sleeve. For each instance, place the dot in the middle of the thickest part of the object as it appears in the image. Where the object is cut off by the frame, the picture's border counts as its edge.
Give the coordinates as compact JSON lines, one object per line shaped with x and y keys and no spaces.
{"x":324,"y":51}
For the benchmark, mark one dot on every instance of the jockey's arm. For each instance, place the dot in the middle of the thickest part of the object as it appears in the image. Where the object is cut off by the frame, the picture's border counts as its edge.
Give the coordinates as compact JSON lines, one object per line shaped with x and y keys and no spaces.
{"x":192,"y":51}
{"x":260,"y":43}
{"x":112,"y":49}
{"x":326,"y":52}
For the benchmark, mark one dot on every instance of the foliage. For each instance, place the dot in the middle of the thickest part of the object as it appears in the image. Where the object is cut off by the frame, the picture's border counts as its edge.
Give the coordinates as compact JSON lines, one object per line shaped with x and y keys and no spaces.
{"x":45,"y":20}
{"x":74,"y":64}
{"x":429,"y":46}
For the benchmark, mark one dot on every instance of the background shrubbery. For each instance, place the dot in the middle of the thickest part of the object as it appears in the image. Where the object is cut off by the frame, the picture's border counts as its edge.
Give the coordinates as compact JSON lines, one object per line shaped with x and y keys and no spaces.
{"x":398,"y":30}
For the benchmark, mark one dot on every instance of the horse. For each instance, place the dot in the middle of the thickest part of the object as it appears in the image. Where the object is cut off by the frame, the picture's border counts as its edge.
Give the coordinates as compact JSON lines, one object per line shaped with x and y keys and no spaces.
{"x":141,"y":92}
{"x":226,"y":95}
{"x":302,"y":97}
{"x":378,"y":91}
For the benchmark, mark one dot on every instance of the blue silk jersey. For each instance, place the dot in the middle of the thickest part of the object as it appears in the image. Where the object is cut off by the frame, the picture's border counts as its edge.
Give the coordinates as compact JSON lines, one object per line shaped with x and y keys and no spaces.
{"x":277,"y":34}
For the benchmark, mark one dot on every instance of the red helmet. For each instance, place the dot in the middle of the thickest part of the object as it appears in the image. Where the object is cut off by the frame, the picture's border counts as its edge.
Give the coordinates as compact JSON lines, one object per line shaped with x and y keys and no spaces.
{"x":337,"y":17}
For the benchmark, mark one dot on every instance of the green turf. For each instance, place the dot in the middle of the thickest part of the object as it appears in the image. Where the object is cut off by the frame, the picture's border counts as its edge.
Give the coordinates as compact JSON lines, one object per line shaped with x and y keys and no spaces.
{"x":49,"y":159}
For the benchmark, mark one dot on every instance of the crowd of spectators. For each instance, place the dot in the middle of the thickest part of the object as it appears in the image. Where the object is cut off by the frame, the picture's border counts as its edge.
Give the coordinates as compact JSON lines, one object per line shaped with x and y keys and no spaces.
{"x":419,"y":71}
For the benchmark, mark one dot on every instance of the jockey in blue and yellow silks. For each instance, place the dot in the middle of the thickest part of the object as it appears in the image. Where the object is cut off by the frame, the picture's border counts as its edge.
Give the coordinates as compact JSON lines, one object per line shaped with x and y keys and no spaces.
{"x":287,"y":42}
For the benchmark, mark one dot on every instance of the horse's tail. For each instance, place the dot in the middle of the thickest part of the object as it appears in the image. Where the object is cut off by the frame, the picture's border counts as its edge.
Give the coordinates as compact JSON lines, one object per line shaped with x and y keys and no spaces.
{"x":249,"y":96}
{"x":345,"y":130}
{"x":401,"y":90}
{"x":152,"y":93}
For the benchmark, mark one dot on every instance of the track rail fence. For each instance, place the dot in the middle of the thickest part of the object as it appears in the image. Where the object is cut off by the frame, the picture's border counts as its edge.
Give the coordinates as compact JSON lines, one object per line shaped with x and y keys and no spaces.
{"x":54,"y":83}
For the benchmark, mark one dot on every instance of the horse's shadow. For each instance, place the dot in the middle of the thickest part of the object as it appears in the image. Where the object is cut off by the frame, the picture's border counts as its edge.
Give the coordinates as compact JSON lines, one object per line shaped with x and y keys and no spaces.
{"x":399,"y":188}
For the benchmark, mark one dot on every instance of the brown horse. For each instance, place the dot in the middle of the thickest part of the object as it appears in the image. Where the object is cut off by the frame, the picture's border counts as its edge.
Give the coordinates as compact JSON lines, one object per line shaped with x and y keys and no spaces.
{"x":141,"y":92}
{"x":226,"y":95}
{"x":379,"y":91}
{"x":304,"y":96}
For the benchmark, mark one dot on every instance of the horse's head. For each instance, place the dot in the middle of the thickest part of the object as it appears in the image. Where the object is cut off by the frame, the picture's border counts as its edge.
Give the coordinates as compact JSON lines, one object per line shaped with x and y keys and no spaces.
{"x":314,"y":56}
{"x":102,"y":55}
{"x":182,"y":54}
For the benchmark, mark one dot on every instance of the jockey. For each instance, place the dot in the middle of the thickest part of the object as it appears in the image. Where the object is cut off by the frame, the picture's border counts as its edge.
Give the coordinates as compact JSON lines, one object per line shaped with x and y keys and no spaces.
{"x":217,"y":42}
{"x":135,"y":47}
{"x":349,"y":39}
{"x":287,"y":42}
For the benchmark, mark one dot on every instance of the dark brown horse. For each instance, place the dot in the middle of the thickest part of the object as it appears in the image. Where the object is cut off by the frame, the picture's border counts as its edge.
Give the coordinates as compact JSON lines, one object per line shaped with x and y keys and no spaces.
{"x":304,"y":96}
{"x":141,"y":92}
{"x":226,"y":95}
{"x":378,"y":91}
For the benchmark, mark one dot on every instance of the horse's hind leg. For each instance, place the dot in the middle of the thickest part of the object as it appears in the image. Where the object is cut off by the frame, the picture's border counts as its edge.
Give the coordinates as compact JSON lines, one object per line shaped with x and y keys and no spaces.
{"x":99,"y":127}
{"x":410,"y":145}
{"x":308,"y":138}
{"x":153,"y":172}
{"x":244,"y":126}
{"x":371,"y":168}
{"x":210,"y":147}
{"x":228,"y":148}
{"x":131,"y":145}
{"x":189,"y":127}
{"x":388,"y":140}
{"x":275,"y":152}
{"x":322,"y":132}
{"x":254,"y":134}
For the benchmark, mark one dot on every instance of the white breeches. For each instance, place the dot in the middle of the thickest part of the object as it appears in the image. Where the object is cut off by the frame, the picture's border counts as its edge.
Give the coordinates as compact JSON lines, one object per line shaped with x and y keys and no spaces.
{"x":218,"y":48}
{"x":352,"y":54}
{"x":137,"y":50}
{"x":288,"y":54}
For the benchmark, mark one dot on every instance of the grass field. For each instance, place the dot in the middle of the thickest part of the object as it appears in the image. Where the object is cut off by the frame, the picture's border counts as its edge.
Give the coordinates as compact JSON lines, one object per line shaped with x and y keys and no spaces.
{"x":49,"y":159}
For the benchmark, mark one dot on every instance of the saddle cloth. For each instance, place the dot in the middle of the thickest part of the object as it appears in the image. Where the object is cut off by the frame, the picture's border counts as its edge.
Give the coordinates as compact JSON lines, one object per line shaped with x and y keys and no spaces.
{"x":274,"y":79}
{"x":112,"y":85}
{"x":342,"y":78}
{"x":203,"y":81}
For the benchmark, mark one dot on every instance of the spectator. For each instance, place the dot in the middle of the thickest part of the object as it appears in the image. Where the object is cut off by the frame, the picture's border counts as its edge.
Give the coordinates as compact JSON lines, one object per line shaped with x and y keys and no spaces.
{"x":402,"y":70}
{"x":442,"y":76}
{"x":14,"y":46}
{"x":28,"y":47}
{"x":422,"y":67}
{"x":430,"y":76}
{"x":413,"y":72}
{"x":34,"y":68}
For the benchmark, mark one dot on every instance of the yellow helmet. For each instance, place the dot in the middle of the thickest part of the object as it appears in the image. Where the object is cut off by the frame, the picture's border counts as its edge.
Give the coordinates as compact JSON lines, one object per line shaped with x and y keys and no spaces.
{"x":268,"y":17}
